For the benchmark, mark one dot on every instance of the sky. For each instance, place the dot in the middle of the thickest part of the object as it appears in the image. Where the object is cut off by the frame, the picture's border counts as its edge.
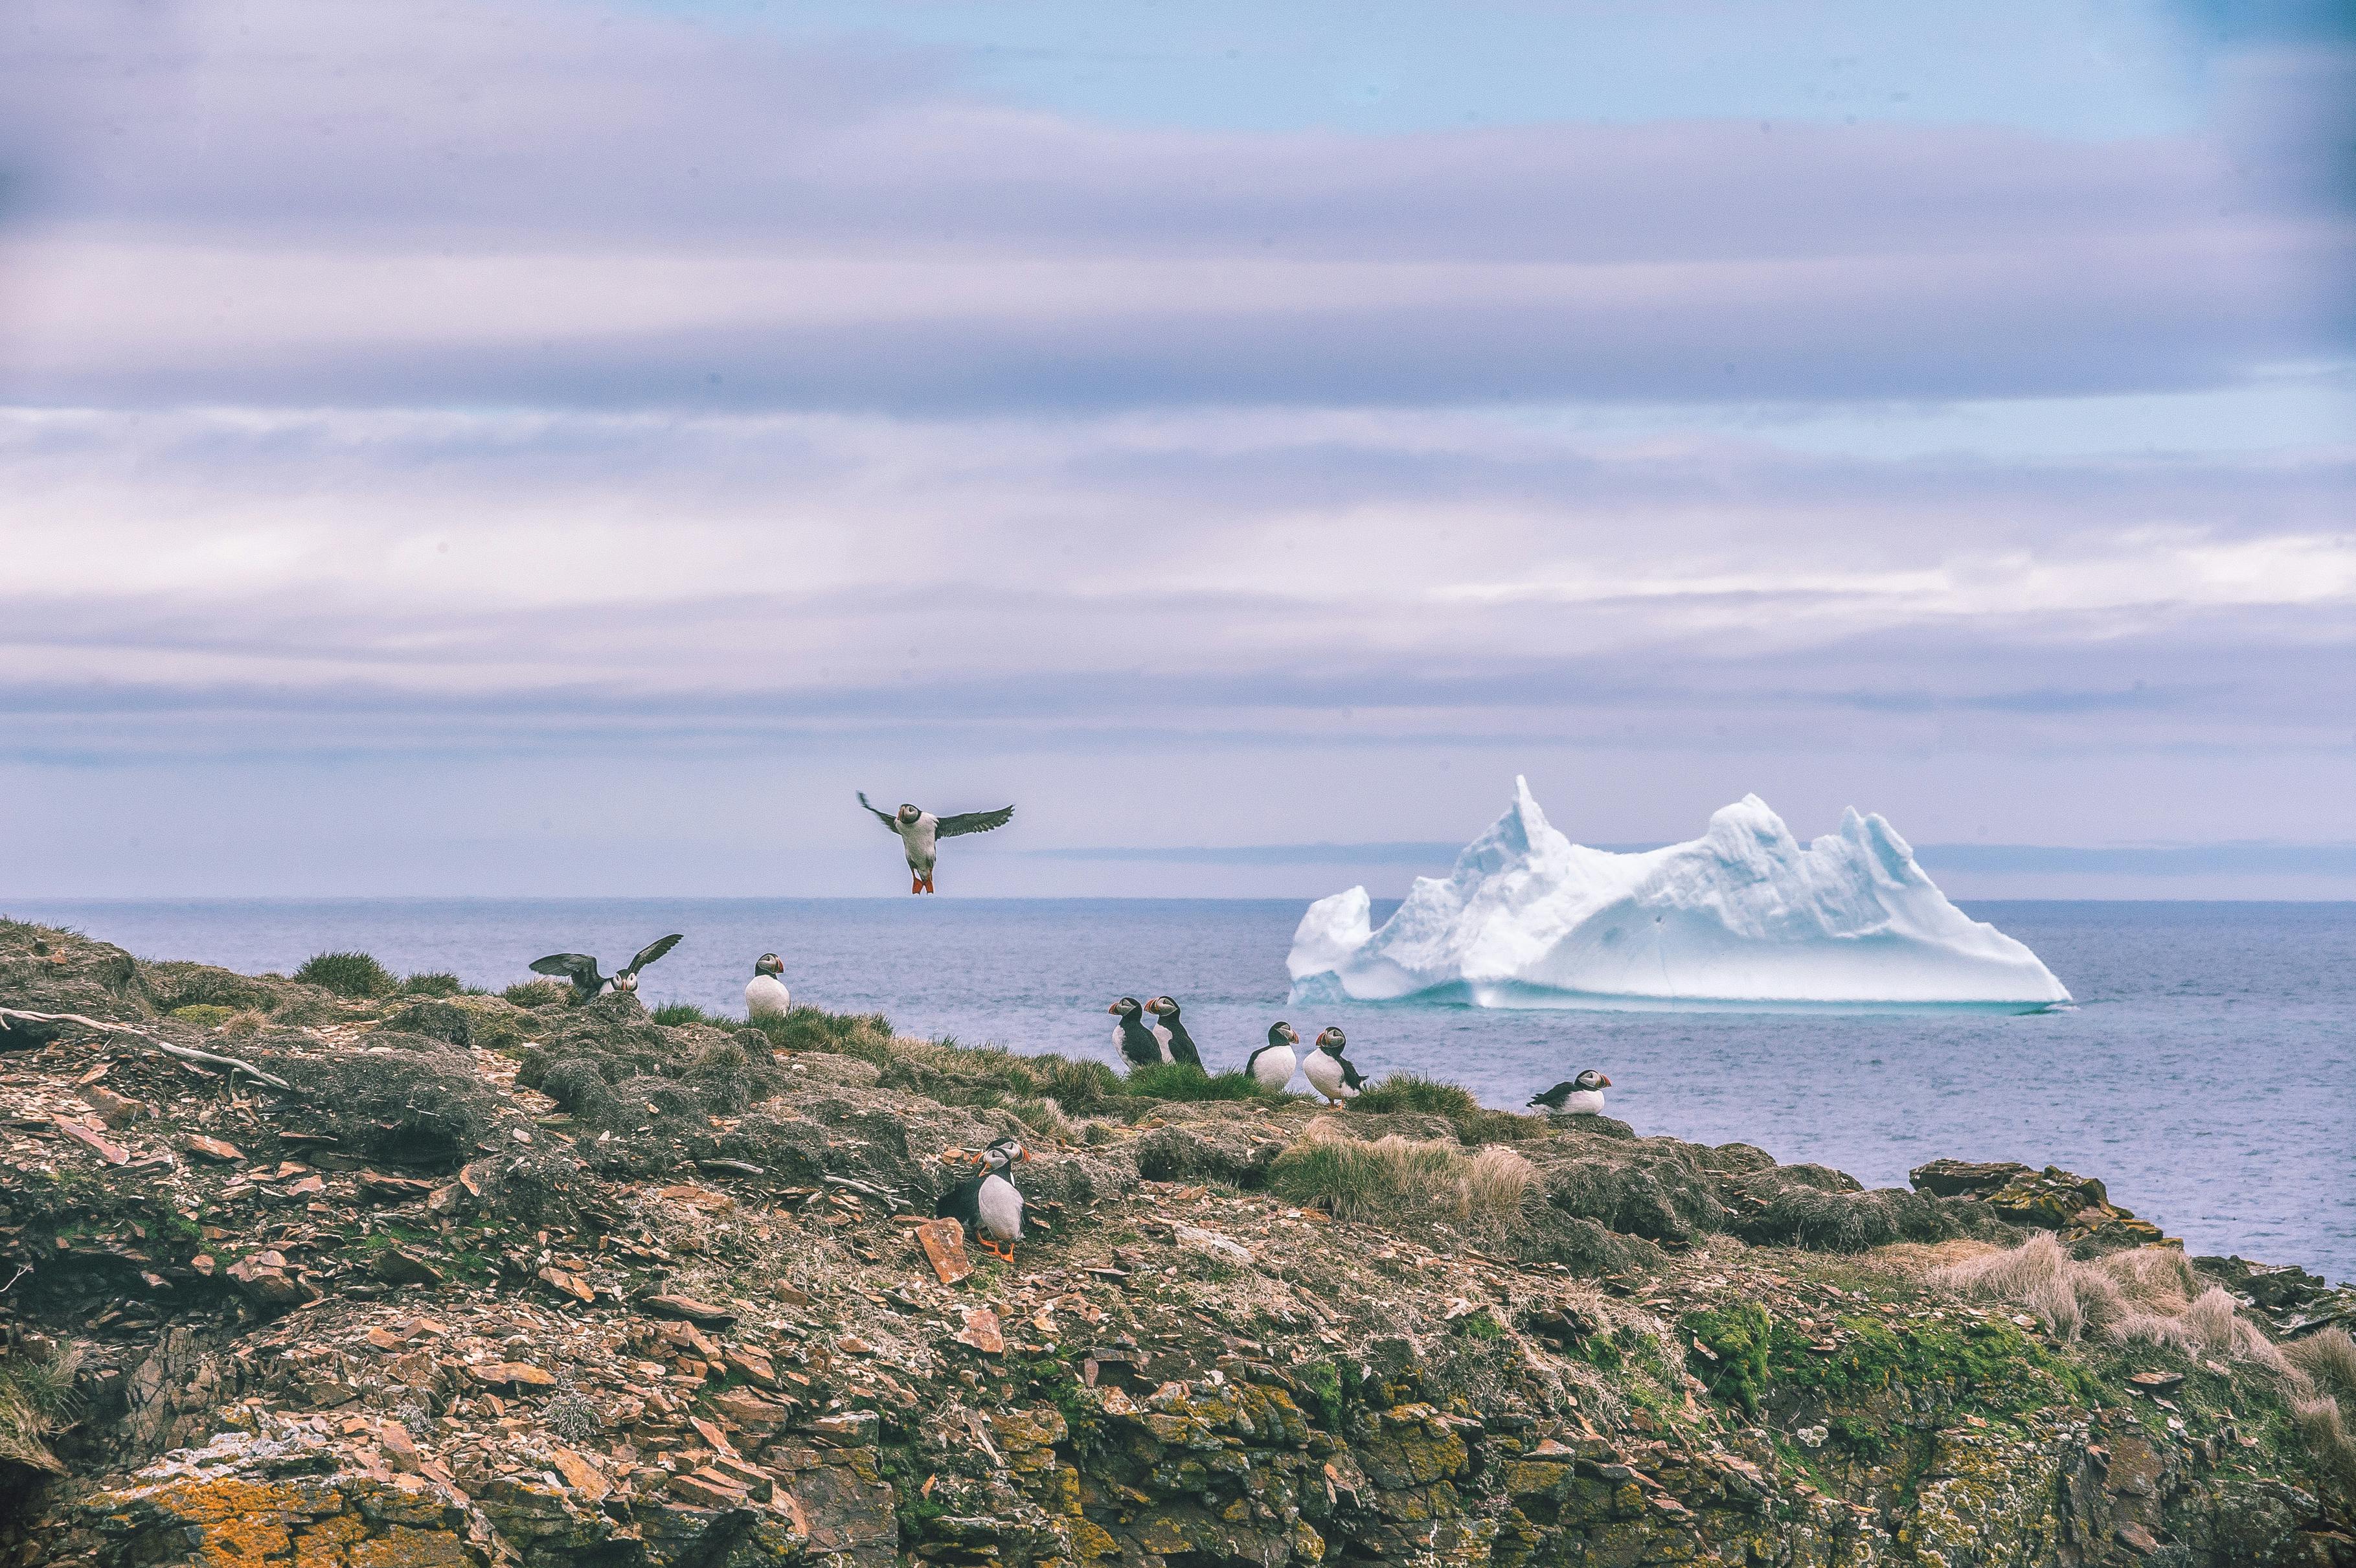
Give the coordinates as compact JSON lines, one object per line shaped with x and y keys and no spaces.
{"x":544,"y":446}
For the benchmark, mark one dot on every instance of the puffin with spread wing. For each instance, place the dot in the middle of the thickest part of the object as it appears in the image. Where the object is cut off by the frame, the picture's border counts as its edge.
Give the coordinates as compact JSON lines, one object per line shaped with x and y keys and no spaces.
{"x":581,"y":970}
{"x":921,"y":833}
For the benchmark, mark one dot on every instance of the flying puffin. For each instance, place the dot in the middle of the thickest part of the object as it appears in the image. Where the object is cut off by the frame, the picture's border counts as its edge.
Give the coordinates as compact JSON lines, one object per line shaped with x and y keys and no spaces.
{"x":765,"y":996}
{"x":1141,"y":1044}
{"x":1584,"y":1092}
{"x":921,"y":833}
{"x":1329,"y":1072}
{"x":1273,"y":1065}
{"x":581,"y":970}
{"x":986,"y":1204}
{"x":1178,"y":1045}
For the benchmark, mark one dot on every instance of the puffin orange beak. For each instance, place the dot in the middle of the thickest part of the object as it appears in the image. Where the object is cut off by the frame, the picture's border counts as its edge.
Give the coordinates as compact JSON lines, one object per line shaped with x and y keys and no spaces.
{"x":1607,"y":1083}
{"x":1026,"y":1154}
{"x":1114,"y":1008}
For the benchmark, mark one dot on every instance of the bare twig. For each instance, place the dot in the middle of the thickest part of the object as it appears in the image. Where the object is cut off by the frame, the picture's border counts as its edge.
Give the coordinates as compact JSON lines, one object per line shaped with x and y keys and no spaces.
{"x":185,"y":1053}
{"x":890,"y":1200}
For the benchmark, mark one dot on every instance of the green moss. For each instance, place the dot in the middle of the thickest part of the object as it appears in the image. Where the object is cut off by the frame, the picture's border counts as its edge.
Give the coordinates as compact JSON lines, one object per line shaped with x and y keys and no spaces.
{"x":1321,"y":1384}
{"x":1480,"y":1324}
{"x":204,"y":1015}
{"x":1735,"y":1340}
{"x":348,"y":974}
{"x":1985,"y":1365}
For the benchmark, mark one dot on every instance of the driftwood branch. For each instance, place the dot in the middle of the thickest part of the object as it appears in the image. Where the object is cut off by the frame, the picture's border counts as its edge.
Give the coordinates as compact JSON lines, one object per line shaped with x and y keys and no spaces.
{"x":185,"y":1053}
{"x":890,"y":1200}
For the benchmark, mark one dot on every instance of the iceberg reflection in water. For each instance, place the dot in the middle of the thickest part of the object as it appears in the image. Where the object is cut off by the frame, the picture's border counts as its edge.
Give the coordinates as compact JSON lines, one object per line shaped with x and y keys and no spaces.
{"x":1744,"y":918}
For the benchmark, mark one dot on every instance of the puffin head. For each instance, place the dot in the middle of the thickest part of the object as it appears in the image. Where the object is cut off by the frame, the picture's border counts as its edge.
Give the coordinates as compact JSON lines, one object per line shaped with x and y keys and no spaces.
{"x":1163,"y":1006}
{"x":1332,"y":1040}
{"x":769,"y":963}
{"x":1002,"y":1155}
{"x":1127,"y":1007}
{"x":1282,"y":1034}
{"x":626,"y":981}
{"x":908,"y":813}
{"x":1591,"y":1080}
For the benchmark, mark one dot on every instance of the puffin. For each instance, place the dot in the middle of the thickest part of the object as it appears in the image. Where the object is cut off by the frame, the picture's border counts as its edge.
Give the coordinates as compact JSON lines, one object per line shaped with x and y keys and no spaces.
{"x":1273,"y":1065}
{"x":1329,"y":1072}
{"x":921,"y":833}
{"x":1177,"y":1045}
{"x":765,"y":996}
{"x":1584,"y":1092}
{"x":581,"y":970}
{"x":1141,"y":1044}
{"x":987,"y":1203}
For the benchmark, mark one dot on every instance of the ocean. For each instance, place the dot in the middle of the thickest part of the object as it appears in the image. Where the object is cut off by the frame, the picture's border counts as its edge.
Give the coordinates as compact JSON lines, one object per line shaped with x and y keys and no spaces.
{"x":2207,"y":1074}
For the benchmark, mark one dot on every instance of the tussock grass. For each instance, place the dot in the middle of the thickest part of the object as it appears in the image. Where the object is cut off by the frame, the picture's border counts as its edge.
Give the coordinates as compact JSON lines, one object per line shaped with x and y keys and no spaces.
{"x":2328,"y":1358}
{"x":439,"y":982}
{"x":1351,"y":1180}
{"x":37,"y":1402}
{"x":531,"y":993}
{"x":2325,"y":1431}
{"x":2149,"y":1295}
{"x":1180,"y":1080}
{"x":1494,"y":1189}
{"x":1414,"y":1091}
{"x":1395,"y":1177}
{"x":671,"y":1014}
{"x":355,"y":975}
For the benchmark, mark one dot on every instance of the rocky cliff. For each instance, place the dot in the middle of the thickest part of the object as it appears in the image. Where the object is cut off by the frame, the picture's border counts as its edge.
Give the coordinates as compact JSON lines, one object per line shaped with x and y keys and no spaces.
{"x":302,"y":1278}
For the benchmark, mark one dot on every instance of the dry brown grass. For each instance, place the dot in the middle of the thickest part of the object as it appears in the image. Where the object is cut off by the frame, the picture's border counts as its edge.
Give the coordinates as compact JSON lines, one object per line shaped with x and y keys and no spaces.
{"x":2328,"y":1358}
{"x":37,"y":1402}
{"x":1493,"y":1190}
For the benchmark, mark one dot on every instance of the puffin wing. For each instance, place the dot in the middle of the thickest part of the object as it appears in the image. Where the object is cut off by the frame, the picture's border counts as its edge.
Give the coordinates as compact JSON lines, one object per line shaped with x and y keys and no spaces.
{"x":1181,"y":1049}
{"x":886,"y":818}
{"x":1350,"y":1074}
{"x":653,"y":951}
{"x":577,"y":967}
{"x":969,"y":821}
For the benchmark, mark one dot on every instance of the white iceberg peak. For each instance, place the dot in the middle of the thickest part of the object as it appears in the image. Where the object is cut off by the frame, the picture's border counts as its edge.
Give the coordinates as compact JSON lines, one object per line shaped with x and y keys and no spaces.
{"x":1744,"y":915}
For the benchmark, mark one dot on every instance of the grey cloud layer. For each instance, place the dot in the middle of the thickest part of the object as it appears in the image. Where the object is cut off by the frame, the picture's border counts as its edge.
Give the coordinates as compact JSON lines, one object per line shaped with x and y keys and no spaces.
{"x":502,"y":204}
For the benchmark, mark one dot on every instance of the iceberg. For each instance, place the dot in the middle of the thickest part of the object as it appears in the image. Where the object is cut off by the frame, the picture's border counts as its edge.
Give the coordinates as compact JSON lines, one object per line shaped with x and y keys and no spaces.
{"x":1743,"y":917}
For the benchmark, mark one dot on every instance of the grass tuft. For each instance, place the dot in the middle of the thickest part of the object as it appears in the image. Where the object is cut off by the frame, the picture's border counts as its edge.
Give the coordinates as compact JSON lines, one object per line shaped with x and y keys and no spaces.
{"x":670,"y":1014}
{"x":348,"y":974}
{"x":536,"y":994}
{"x":1182,"y":1080}
{"x":1388,"y":1179}
{"x":1414,"y":1091}
{"x":2329,"y":1357}
{"x":37,"y":1400}
{"x":203,"y":1014}
{"x":439,"y":982}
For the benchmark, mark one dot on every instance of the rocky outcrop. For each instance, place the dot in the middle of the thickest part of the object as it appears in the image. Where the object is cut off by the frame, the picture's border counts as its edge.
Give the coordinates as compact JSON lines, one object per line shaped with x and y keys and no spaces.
{"x":547,"y":1285}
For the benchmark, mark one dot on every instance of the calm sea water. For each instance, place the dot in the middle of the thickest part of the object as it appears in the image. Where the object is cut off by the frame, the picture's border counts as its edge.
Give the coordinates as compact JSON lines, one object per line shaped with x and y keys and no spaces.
{"x":2207,"y":1074}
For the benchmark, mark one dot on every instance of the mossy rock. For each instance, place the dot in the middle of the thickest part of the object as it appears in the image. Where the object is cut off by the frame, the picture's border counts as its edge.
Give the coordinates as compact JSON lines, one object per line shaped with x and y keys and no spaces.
{"x":204,"y":1015}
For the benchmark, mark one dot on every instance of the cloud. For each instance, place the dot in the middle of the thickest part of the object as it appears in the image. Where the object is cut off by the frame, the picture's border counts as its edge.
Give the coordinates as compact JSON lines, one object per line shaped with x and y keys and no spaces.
{"x":552,"y":207}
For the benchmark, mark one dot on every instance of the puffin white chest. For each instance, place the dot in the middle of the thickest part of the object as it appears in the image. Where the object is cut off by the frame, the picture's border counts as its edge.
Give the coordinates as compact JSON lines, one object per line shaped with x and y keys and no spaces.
{"x":1274,"y":1066}
{"x":1324,"y":1074}
{"x":1000,"y":1205}
{"x":1586,"y":1100}
{"x":922,"y":839}
{"x":1161,"y":1038}
{"x":766,"y":997}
